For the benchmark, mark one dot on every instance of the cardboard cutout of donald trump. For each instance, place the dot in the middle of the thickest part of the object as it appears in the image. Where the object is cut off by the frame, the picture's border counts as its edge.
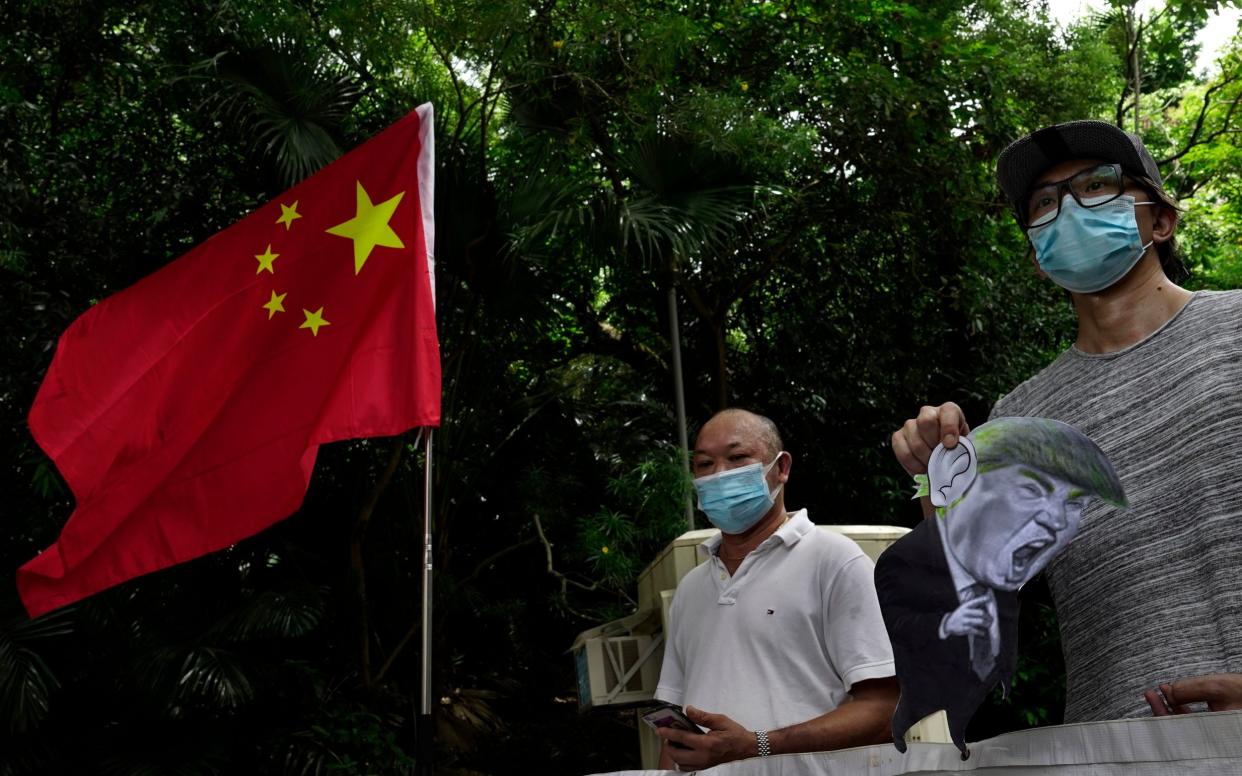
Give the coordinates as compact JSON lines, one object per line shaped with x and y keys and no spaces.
{"x":1008,"y":498}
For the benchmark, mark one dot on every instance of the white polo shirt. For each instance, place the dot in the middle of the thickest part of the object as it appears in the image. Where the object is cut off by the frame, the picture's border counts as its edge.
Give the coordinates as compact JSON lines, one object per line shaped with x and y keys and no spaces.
{"x":783,"y":639}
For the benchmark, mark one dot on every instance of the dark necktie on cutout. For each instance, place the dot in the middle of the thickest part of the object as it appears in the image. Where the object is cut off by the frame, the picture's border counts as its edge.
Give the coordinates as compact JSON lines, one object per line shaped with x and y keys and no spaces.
{"x":981,"y":660}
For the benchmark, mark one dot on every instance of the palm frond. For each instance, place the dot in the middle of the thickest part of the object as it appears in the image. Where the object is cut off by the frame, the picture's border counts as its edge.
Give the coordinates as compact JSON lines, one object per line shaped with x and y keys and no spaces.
{"x":195,"y":676}
{"x":305,"y":756}
{"x":271,"y":614}
{"x":465,"y":716}
{"x":653,"y":227}
{"x":214,"y":677}
{"x":56,"y":623}
{"x":26,"y":681}
{"x":26,"y":687}
{"x":290,"y":103}
{"x":675,"y":202}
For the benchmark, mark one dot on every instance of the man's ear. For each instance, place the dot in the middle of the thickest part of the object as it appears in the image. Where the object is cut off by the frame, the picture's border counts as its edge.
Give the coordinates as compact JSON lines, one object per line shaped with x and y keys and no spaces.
{"x":950,"y":473}
{"x":783,"y":464}
{"x":1163,"y":224}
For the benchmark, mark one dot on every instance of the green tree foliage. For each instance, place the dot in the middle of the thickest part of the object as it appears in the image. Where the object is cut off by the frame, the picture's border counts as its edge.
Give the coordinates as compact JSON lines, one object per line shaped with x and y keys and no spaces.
{"x":1189,"y":121}
{"x":813,"y":182}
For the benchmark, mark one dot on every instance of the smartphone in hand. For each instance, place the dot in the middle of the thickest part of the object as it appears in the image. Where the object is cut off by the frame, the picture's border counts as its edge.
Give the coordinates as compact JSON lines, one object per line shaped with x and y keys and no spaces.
{"x":670,"y":715}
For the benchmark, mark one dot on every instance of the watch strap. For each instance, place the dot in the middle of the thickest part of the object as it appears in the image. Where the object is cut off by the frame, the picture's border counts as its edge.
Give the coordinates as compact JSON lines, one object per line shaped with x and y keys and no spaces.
{"x":765,"y":748}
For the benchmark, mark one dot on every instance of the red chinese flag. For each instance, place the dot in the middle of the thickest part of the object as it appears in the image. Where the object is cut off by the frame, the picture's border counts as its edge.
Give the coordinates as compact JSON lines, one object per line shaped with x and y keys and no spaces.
{"x":185,"y":412}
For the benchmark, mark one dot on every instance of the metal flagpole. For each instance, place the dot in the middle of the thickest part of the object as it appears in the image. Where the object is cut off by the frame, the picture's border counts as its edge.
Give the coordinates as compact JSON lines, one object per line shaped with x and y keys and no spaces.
{"x":679,"y":393}
{"x":424,"y":706}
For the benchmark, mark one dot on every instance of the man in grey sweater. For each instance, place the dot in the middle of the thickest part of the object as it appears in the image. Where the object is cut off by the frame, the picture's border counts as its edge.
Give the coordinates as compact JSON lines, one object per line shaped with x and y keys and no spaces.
{"x":1149,"y":600}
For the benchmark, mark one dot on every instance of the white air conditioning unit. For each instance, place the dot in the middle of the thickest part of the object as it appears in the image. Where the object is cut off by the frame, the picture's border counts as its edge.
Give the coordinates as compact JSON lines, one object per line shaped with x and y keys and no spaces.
{"x":617,"y":670}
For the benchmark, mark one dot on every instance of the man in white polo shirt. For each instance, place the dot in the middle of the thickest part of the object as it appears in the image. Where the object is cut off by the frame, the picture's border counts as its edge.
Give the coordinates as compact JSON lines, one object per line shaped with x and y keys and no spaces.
{"x":776,"y":643}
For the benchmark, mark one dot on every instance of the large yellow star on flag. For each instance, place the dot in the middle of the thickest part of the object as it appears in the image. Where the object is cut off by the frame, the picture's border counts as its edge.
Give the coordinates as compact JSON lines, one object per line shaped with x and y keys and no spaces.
{"x":288,"y":214}
{"x":265,"y":260}
{"x":314,"y":321}
{"x":369,"y":227}
{"x":275,"y":304}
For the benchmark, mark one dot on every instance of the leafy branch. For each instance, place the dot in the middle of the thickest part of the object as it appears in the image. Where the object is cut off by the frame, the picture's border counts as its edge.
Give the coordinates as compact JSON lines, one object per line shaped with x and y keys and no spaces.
{"x":1197,"y":137}
{"x":565,"y":580}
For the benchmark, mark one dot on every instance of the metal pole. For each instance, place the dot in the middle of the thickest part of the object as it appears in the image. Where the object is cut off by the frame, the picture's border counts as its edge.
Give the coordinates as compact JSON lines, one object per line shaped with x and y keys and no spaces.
{"x":679,"y":394}
{"x":424,"y":707}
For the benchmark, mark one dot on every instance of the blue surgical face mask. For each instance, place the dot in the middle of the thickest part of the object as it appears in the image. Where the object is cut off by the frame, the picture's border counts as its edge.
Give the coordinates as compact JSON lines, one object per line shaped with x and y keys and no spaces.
{"x":734,"y":500}
{"x":1088,"y":249}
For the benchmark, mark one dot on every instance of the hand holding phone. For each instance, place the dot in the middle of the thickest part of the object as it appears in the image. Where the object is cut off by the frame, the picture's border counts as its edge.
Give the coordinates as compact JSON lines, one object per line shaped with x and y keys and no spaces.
{"x":670,"y":715}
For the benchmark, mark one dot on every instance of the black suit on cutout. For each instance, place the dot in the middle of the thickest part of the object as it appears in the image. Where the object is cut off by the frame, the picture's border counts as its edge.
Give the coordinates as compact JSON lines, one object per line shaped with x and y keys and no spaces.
{"x":916,"y":591}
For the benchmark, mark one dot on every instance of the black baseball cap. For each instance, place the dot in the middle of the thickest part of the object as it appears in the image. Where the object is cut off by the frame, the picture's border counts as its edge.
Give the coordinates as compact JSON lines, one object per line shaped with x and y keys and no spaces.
{"x":1028,"y":156}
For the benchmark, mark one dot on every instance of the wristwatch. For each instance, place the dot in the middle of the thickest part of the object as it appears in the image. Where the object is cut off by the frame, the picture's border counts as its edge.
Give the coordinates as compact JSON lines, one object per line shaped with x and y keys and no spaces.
{"x":765,"y":748}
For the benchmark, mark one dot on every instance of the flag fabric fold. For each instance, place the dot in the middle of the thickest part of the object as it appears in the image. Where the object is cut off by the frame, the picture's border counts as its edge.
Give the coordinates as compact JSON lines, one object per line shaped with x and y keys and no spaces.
{"x":186,"y":411}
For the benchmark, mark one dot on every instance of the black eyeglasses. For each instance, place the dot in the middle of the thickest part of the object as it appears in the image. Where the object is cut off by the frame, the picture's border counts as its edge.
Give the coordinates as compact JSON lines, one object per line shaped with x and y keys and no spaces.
{"x":1091,"y":187}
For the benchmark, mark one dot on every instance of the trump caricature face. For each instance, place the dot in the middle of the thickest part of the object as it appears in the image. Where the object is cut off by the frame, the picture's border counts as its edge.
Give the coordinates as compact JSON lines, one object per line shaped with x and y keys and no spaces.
{"x":1016,"y":519}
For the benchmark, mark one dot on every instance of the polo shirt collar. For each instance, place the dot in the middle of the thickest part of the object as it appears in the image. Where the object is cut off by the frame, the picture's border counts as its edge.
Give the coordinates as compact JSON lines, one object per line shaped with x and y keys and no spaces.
{"x":797,"y":526}
{"x":790,"y":533}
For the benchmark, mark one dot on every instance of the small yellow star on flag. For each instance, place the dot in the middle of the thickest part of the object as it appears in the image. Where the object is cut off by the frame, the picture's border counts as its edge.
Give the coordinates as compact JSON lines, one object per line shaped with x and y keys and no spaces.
{"x":275,"y":304}
{"x":288,"y":214}
{"x":369,"y":227}
{"x":314,"y":321}
{"x":265,"y":260}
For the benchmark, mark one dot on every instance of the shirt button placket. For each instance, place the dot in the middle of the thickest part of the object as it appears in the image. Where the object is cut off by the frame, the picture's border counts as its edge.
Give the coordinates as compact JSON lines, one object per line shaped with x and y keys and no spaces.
{"x":728,"y":596}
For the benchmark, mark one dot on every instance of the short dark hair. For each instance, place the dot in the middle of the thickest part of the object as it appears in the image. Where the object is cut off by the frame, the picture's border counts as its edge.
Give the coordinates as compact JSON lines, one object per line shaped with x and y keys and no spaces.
{"x":769,"y":434}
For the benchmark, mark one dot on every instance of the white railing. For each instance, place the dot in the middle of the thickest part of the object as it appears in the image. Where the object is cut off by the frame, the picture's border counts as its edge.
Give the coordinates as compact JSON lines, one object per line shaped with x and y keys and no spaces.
{"x":1208,"y":744}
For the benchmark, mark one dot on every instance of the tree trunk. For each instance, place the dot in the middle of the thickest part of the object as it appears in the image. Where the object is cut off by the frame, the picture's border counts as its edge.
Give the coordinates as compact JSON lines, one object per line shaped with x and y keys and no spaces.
{"x":722,"y":364}
{"x":1136,"y":24}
